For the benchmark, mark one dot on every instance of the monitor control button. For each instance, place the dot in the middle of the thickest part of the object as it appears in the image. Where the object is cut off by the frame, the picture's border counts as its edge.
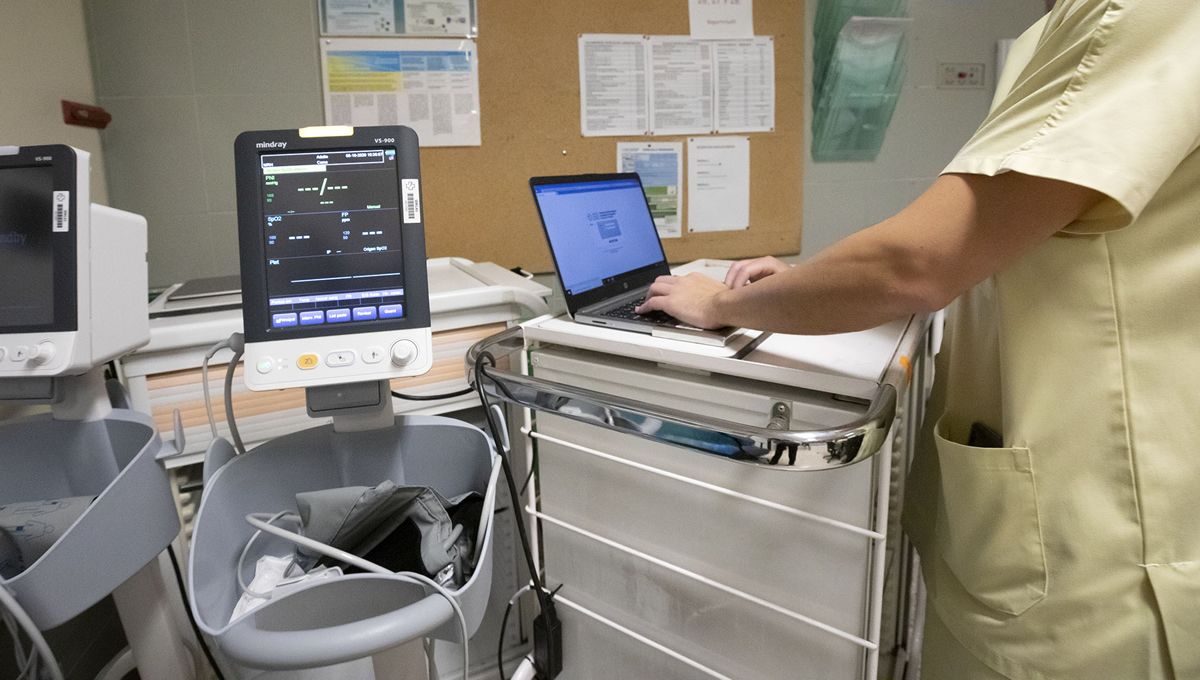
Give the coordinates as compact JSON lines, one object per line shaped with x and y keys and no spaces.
{"x":42,"y":353}
{"x":19,"y":353}
{"x":307,"y":362}
{"x":373,"y":355}
{"x":404,"y":352}
{"x":264,"y":365}
{"x":339,"y":359}
{"x":3,"y":352}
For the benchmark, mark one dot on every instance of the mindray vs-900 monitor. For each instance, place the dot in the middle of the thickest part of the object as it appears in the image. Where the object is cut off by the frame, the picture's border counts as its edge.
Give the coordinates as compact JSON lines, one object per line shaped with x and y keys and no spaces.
{"x":334,"y":282}
{"x":72,"y":274}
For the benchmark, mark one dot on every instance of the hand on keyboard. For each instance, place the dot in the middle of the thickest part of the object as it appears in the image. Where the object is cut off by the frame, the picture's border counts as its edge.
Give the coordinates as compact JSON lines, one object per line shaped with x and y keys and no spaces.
{"x":625,"y":311}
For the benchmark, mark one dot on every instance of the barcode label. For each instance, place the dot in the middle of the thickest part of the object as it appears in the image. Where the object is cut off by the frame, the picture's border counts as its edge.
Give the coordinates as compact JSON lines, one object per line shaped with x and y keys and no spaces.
{"x":412,"y":200}
{"x":62,"y":211}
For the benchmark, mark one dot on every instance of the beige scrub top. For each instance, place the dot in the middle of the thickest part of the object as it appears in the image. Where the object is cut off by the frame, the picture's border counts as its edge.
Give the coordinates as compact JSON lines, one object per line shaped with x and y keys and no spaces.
{"x":1074,"y":550}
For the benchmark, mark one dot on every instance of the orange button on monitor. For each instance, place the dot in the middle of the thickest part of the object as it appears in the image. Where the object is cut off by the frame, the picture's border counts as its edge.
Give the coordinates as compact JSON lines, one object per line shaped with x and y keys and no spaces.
{"x":307,"y":361}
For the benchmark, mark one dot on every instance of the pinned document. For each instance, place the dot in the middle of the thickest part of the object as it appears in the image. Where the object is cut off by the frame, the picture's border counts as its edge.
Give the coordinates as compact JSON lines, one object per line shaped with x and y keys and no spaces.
{"x":660,"y":165}
{"x":718,"y":183}
{"x":431,"y":86}
{"x":674,"y":85}
{"x":398,"y":17}
{"x":745,"y":79}
{"x":612,"y":85}
{"x":721,"y":18}
{"x":681,"y":86}
{"x":438,"y":17}
{"x":358,"y":17}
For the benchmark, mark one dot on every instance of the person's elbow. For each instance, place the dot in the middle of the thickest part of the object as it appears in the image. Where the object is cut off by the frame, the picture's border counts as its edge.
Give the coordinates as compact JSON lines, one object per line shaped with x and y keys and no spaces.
{"x":922,"y":282}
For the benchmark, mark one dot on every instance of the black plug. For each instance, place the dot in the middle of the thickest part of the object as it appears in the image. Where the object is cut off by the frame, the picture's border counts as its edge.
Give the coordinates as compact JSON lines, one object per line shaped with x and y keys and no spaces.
{"x":547,"y":644}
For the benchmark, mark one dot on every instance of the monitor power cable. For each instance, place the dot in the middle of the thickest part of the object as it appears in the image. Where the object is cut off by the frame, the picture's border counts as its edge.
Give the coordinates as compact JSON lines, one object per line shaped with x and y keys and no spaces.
{"x":433,"y":397}
{"x":236,"y":342}
{"x":15,"y":617}
{"x":547,"y":629}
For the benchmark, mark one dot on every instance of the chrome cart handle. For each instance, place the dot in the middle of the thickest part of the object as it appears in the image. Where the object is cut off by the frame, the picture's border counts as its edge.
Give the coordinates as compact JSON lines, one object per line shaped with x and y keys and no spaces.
{"x":773,"y":449}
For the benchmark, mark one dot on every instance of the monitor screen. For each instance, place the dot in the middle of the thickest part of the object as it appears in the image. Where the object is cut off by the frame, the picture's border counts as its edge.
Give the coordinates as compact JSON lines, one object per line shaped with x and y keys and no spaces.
{"x":37,"y":241}
{"x":332,"y":241}
{"x":598,"y":230}
{"x":26,"y":253}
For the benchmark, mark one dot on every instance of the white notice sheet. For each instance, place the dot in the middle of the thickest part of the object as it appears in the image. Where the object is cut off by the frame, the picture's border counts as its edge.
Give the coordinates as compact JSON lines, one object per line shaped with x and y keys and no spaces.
{"x":359,"y":17}
{"x":718,"y":178}
{"x":660,"y":165}
{"x":612,"y":85}
{"x":438,"y":17}
{"x":745,"y":72}
{"x":681,"y":86}
{"x":721,"y":18}
{"x":429,"y":85}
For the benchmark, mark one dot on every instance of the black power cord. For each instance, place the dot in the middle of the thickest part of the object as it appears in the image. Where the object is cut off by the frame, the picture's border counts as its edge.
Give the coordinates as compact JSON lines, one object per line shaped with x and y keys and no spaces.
{"x":432,"y":397}
{"x":191,"y":618}
{"x":547,"y":629}
{"x":500,"y":644}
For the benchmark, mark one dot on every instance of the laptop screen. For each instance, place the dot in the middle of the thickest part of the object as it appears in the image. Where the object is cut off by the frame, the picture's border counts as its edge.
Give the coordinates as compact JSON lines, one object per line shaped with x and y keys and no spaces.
{"x":598,"y":229}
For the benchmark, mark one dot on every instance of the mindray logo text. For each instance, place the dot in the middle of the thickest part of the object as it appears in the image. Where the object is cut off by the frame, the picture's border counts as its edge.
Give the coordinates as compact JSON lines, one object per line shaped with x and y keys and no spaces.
{"x":271,"y":145}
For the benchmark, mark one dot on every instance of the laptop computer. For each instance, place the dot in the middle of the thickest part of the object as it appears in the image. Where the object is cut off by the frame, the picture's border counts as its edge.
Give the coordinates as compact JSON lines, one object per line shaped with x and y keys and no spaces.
{"x":607,"y":252}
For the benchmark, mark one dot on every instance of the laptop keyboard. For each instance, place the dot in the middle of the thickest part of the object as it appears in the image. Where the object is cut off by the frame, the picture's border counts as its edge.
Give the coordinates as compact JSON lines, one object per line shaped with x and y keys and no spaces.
{"x":625,"y":311}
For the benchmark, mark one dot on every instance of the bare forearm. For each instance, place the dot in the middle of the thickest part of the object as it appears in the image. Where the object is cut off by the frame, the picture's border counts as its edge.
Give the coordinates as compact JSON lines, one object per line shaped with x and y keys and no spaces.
{"x":959,"y":232}
{"x":962,"y":230}
{"x":860,"y":282}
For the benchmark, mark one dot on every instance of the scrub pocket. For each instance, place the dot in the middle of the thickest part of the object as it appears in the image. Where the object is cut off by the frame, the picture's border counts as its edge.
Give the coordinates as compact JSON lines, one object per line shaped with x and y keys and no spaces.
{"x":988,"y":531}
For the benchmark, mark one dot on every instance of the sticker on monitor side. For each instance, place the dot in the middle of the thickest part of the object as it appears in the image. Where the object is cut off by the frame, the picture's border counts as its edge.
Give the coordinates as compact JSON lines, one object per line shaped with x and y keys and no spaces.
{"x":412,"y":200}
{"x":62,"y":211}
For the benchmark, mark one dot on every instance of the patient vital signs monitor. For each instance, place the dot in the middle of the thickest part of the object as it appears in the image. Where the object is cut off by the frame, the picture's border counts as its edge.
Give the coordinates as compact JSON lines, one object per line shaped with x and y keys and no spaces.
{"x":59,"y":314}
{"x":334,"y":282}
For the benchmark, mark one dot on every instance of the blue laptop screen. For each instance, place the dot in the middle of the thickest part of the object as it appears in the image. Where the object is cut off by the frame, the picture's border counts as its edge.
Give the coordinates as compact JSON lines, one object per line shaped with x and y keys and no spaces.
{"x":598,"y":231}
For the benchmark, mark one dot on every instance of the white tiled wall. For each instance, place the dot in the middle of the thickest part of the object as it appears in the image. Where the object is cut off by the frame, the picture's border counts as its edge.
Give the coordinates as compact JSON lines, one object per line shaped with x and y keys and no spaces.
{"x":182,"y":78}
{"x":43,"y":60}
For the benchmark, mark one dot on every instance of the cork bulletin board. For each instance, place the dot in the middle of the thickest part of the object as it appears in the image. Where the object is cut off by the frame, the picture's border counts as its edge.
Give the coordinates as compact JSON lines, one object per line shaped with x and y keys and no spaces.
{"x":477,"y":199}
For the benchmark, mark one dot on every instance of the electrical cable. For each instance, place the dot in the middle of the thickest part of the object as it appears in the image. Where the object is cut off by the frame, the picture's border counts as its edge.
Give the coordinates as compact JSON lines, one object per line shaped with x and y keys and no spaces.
{"x":256,"y":520}
{"x":11,"y":626}
{"x":237,"y":343}
{"x":504,"y":627}
{"x":433,"y":397}
{"x":26,"y":661}
{"x":208,"y":409}
{"x":40,"y":646}
{"x":246,"y":549}
{"x":547,"y":647}
{"x":518,"y":513}
{"x":529,"y":477}
{"x":191,"y":617}
{"x":431,"y":667}
{"x":119,"y":666}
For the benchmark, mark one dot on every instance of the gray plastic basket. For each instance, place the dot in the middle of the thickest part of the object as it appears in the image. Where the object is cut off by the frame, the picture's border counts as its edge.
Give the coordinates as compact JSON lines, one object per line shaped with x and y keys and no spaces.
{"x":355,"y":616}
{"x":131,"y":521}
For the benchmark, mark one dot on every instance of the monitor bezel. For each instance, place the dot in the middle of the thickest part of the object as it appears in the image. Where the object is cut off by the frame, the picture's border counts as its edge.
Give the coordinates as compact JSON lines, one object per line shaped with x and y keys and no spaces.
{"x":61,"y":158}
{"x":631,"y":280}
{"x":251,"y":235}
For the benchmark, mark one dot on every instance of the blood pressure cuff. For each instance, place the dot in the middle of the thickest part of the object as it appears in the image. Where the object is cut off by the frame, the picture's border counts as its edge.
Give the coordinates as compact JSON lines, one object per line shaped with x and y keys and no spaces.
{"x":401,"y":528}
{"x":29,"y":529}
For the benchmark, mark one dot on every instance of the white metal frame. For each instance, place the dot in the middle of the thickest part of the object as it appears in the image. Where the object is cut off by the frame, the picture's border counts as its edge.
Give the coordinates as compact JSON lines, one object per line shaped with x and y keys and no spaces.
{"x":913,"y":376}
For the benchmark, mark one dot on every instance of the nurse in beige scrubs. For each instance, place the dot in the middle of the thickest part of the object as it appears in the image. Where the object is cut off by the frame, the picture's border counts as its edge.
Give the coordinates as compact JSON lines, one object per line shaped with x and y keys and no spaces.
{"x":1067,"y":231}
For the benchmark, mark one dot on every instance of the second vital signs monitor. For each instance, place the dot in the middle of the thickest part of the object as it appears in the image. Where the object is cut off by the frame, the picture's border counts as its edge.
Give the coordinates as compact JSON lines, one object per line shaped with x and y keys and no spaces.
{"x":334,"y":281}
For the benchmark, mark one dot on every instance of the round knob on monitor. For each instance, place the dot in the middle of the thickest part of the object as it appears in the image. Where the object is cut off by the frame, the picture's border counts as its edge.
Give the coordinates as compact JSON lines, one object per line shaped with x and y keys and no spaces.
{"x":42,"y":353}
{"x":404,"y":352}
